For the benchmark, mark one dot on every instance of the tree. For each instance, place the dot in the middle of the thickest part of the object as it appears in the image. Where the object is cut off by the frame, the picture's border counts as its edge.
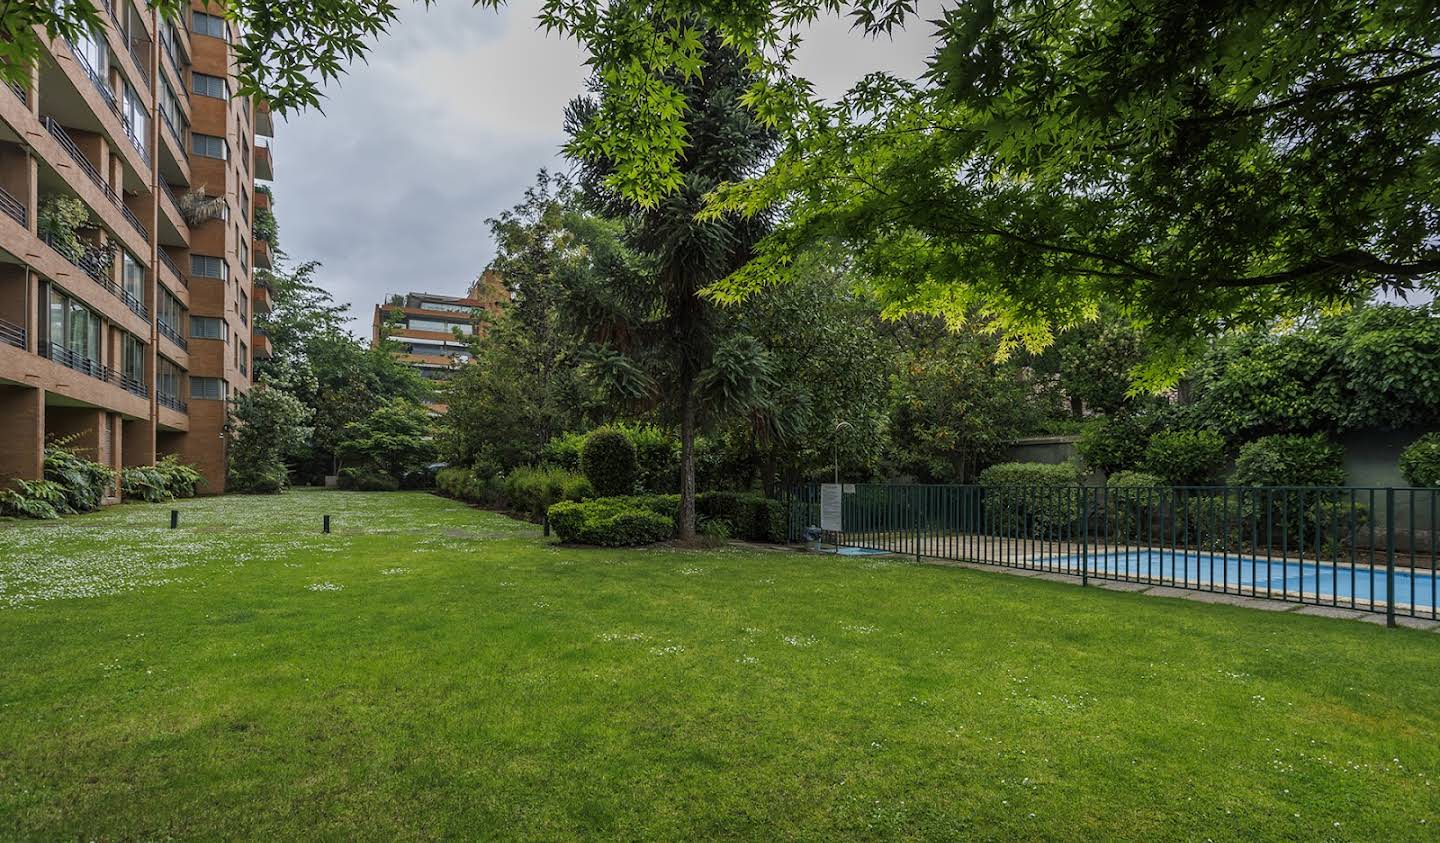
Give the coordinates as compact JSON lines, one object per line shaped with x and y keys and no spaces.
{"x":655,"y":335}
{"x":1198,"y":166}
{"x":394,"y":438}
{"x":267,"y":426}
{"x":339,"y":378}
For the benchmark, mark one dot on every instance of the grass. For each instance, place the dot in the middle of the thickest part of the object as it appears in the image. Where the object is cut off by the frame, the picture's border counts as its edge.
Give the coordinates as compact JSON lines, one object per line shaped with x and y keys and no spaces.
{"x":433,"y":671}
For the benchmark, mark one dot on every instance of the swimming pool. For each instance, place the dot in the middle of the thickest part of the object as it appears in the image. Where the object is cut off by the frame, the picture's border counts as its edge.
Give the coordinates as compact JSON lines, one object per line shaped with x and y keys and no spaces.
{"x":1362,"y":586}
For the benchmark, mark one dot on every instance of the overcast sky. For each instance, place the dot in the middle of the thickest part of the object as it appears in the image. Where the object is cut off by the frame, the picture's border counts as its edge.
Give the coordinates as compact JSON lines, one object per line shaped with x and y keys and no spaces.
{"x":456,"y":111}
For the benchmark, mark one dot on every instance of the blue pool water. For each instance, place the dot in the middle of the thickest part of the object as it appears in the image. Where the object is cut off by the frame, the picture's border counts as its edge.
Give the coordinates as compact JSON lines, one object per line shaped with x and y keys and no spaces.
{"x":1322,"y":582}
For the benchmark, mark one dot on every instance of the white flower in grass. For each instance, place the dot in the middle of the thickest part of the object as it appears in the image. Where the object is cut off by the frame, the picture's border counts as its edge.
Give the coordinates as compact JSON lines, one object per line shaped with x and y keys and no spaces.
{"x":392,"y":572}
{"x":800,"y":641}
{"x":324,"y":586}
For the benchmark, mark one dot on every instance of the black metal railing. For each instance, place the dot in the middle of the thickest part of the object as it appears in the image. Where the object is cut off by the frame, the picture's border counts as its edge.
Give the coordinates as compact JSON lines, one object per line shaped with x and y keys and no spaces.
{"x":100,"y":85}
{"x":20,"y":92}
{"x":174,"y":132}
{"x":63,"y":138}
{"x":167,"y":331}
{"x":93,"y":265}
{"x":170,"y":262}
{"x":1356,"y":548}
{"x":174,"y":59}
{"x":172,"y":402}
{"x":135,"y":304}
{"x":142,"y":62}
{"x":13,"y":207}
{"x":12,"y":334}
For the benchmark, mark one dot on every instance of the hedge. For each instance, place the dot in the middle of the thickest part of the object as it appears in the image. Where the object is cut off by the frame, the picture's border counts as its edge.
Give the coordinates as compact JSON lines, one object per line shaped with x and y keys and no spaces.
{"x":1185,"y":457}
{"x":748,"y":516}
{"x":609,"y":463}
{"x":610,"y":522}
{"x":366,"y":479}
{"x":1289,"y":460}
{"x":533,"y":490}
{"x":1420,"y":462}
{"x":1018,"y":502}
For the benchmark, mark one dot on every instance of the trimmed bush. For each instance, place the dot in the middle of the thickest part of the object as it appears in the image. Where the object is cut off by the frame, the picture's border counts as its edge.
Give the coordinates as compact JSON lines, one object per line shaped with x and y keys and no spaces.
{"x":1185,"y":457}
{"x":608,"y":462}
{"x":1031,"y":498}
{"x":366,"y":479}
{"x":751,"y":517}
{"x":657,"y":459}
{"x":563,"y":452}
{"x":532,"y":490}
{"x":1289,"y":460}
{"x":1420,"y":462}
{"x":610,"y":522}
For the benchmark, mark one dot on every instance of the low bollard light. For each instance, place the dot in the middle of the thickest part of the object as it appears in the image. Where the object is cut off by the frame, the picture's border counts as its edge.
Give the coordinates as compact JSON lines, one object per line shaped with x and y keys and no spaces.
{"x":174,"y":518}
{"x":327,"y":523}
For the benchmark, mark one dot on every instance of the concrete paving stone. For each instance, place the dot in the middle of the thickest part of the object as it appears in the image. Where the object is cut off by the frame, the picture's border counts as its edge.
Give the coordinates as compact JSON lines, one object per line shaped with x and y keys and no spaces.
{"x":1400,"y":620}
{"x":1120,"y":585}
{"x":1331,"y":612}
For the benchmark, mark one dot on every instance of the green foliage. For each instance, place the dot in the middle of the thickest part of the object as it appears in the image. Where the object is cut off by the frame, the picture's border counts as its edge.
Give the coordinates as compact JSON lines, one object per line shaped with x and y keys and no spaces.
{"x":1133,"y":480}
{"x":59,"y":217}
{"x":367,"y":479}
{"x":1030,"y":474}
{"x":394,"y":438}
{"x":1133,"y":501}
{"x":1031,"y":498}
{"x":33,"y":499}
{"x":1289,"y":460}
{"x":1185,"y":457}
{"x":563,"y":451}
{"x":1114,"y":443}
{"x":1420,"y":461}
{"x":746,"y":516}
{"x":165,"y":480}
{"x":610,"y":522}
{"x":1096,"y":361}
{"x":532,"y":490}
{"x":266,"y":228}
{"x":609,"y":463}
{"x":485,"y":489}
{"x":268,"y":424}
{"x":85,"y":483}
{"x":1376,"y":367}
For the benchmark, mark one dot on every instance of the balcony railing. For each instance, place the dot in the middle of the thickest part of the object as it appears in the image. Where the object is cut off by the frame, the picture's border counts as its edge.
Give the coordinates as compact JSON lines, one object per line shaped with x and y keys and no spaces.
{"x":165,"y":41}
{"x":84,"y":365}
{"x":12,"y":206}
{"x":100,"y":85}
{"x":63,"y":138}
{"x":172,"y":402}
{"x":174,"y":132}
{"x":20,"y":92}
{"x":141,"y":62}
{"x":11,"y":334}
{"x":93,"y":267}
{"x":173,"y":335}
{"x":170,"y":262}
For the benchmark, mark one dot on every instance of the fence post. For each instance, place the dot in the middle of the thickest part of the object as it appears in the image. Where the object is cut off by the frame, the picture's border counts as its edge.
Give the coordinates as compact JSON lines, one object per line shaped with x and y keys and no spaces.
{"x":915,"y":503}
{"x":1084,"y":537}
{"x":1390,"y":557}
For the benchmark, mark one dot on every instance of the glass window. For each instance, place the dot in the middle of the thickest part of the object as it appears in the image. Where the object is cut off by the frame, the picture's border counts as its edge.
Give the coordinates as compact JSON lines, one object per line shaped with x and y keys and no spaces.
{"x":449,"y":308}
{"x":167,"y":378}
{"x":211,"y":25}
{"x":170,"y":312}
{"x":207,"y":328}
{"x":208,"y":146}
{"x":170,"y":106}
{"x":436,"y":325}
{"x":136,"y":117}
{"x":208,"y":266}
{"x":73,"y":327}
{"x":212,"y":389}
{"x":209,"y":86}
{"x":132,"y":277}
{"x":133,"y":355}
{"x":91,"y":48}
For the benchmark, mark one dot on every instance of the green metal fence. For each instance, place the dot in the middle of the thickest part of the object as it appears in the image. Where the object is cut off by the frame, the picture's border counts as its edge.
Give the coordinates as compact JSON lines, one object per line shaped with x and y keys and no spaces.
{"x":1362,"y":548}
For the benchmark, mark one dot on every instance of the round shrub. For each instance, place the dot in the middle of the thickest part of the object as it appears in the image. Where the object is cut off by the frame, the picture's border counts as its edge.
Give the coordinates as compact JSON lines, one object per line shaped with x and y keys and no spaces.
{"x":1113,"y":443}
{"x":608,"y":461}
{"x":1420,"y":463}
{"x":1289,"y":460}
{"x":1185,"y":457}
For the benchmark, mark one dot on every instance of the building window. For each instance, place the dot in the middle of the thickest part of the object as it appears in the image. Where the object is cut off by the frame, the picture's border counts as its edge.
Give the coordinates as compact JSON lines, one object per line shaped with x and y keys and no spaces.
{"x":448,"y":308}
{"x":208,"y":266}
{"x":169,"y":312}
{"x":212,"y":25}
{"x":133,"y":357}
{"x":170,"y":107}
{"x":207,"y":328}
{"x":436,"y":325}
{"x":207,"y":389}
{"x":167,"y":379}
{"x":244,"y":359}
{"x":244,"y":307}
{"x":91,"y":48}
{"x":209,"y":86}
{"x":72,"y":327}
{"x":132,"y":278}
{"x":208,"y":145}
{"x":136,"y":117}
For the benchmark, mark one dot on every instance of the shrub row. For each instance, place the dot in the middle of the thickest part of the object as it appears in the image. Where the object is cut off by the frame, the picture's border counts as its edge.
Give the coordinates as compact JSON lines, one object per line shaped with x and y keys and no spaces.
{"x":366,"y":479}
{"x":526,"y":490}
{"x":729,"y":514}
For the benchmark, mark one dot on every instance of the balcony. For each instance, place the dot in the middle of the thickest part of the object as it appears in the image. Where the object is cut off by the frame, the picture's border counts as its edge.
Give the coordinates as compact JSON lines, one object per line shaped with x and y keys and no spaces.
{"x":171,"y":402}
{"x":13,"y":207}
{"x":262,"y":255}
{"x":84,"y":365}
{"x":264,"y":123}
{"x":169,"y":333}
{"x":63,"y":138}
{"x":260,"y":347}
{"x":264,"y":167}
{"x":11,"y":334}
{"x":169,"y":262}
{"x":93,"y":265}
{"x":20,"y":92}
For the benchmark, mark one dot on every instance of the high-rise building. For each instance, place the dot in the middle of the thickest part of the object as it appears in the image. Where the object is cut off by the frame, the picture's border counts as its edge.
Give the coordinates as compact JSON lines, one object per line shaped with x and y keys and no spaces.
{"x":128,"y":174}
{"x":423,"y":325}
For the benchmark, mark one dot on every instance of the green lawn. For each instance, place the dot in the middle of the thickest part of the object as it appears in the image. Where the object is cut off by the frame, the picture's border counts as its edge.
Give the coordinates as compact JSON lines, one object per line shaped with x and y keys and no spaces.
{"x":432,"y":671}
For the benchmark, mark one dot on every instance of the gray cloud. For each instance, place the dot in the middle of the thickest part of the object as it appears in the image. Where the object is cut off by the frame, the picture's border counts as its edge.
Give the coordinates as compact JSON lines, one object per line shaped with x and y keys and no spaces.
{"x":446,"y":126}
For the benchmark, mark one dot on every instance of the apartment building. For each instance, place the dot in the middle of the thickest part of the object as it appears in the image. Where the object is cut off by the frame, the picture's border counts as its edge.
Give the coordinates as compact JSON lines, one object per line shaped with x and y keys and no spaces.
{"x":127,"y":294}
{"x":424,"y":324}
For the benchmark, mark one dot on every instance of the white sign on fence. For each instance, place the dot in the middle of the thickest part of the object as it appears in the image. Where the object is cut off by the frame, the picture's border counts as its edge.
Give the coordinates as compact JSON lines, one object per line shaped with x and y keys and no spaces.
{"x":830,"y":519}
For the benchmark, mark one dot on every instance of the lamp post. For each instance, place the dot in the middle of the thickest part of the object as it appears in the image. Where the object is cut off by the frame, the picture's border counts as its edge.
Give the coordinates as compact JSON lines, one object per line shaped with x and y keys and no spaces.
{"x":844,"y":425}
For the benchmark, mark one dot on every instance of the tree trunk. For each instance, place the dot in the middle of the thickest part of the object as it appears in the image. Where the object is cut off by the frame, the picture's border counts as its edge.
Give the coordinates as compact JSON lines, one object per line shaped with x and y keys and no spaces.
{"x":685,"y":520}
